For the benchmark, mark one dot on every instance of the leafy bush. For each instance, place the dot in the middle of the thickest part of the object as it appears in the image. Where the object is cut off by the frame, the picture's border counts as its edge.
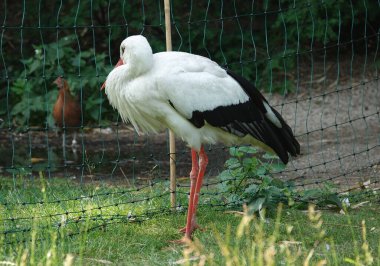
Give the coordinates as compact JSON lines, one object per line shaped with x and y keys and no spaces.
{"x":249,"y":179}
{"x":32,"y":94}
{"x":260,"y":39}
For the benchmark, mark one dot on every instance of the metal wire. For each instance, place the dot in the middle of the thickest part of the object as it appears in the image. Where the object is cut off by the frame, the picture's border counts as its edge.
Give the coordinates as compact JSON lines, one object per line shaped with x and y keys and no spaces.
{"x":316,"y":62}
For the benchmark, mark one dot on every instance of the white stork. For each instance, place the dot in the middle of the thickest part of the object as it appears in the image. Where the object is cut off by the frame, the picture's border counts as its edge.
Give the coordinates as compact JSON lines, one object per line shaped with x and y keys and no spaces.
{"x":199,"y":101}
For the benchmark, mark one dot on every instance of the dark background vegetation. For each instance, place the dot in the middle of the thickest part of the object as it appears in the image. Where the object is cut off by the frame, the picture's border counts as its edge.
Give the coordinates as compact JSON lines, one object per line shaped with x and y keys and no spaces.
{"x":80,"y":40}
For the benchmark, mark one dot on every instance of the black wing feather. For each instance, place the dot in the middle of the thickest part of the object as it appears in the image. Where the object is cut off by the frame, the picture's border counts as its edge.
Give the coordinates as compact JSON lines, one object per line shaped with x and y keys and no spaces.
{"x":249,"y":118}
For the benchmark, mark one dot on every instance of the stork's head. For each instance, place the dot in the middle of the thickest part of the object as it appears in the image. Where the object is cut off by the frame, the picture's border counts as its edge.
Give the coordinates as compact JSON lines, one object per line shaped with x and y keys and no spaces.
{"x":135,"y":51}
{"x":136,"y":48}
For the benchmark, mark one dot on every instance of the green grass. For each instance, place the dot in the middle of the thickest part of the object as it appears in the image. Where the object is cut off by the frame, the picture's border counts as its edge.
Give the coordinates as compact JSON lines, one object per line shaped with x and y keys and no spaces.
{"x":290,"y":236}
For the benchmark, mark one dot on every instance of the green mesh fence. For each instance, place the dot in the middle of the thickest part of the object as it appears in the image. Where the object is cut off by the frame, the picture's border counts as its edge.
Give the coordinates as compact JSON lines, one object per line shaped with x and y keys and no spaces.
{"x":316,"y":61}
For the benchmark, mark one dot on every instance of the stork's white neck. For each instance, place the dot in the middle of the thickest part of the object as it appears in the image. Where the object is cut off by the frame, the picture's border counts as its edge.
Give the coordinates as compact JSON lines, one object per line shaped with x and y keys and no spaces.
{"x":137,"y":57}
{"x":138,"y":61}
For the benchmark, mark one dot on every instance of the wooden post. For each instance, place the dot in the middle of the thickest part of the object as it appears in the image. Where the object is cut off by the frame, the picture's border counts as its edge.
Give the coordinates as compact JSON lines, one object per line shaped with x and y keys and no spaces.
{"x":173,"y":183}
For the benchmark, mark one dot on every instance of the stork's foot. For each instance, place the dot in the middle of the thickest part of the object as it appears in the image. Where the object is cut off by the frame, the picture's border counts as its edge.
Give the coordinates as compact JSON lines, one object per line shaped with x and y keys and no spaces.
{"x":194,"y":227}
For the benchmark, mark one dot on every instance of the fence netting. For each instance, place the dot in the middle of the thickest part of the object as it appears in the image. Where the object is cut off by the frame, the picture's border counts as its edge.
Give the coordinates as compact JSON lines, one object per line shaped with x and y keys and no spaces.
{"x":316,"y":62}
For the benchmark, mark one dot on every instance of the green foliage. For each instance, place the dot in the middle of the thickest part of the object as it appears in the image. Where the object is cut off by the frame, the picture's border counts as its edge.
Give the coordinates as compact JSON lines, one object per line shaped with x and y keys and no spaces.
{"x":320,"y":22}
{"x":248,"y":179}
{"x":304,"y":27}
{"x":34,"y":94}
{"x":326,"y":195}
{"x":339,"y":239}
{"x":263,"y":40}
{"x":292,"y":238}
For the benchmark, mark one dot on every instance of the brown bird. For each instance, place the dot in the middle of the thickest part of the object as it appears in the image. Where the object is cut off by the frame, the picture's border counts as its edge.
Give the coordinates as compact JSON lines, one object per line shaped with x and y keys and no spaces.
{"x":67,"y":111}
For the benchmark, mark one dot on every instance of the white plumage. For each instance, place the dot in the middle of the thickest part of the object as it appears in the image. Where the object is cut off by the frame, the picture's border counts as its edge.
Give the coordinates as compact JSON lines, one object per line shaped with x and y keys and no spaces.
{"x":200,"y":101}
{"x":190,"y":82}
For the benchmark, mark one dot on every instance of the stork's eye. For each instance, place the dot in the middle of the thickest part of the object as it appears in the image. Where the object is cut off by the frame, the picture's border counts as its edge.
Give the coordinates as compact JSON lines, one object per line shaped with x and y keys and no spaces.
{"x":122,"y":50}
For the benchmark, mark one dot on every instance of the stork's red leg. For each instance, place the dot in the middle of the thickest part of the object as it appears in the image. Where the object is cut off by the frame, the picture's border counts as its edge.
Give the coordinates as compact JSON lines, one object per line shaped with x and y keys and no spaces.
{"x":203,"y":160}
{"x":193,"y":181}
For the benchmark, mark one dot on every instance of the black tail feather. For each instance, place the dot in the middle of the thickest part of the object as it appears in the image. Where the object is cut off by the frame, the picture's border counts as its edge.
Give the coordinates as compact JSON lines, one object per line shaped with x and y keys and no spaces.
{"x":281,"y":140}
{"x":287,"y":136}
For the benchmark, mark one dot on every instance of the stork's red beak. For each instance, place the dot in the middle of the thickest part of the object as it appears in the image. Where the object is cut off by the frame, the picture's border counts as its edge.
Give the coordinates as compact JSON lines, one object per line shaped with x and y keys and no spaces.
{"x":119,"y":63}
